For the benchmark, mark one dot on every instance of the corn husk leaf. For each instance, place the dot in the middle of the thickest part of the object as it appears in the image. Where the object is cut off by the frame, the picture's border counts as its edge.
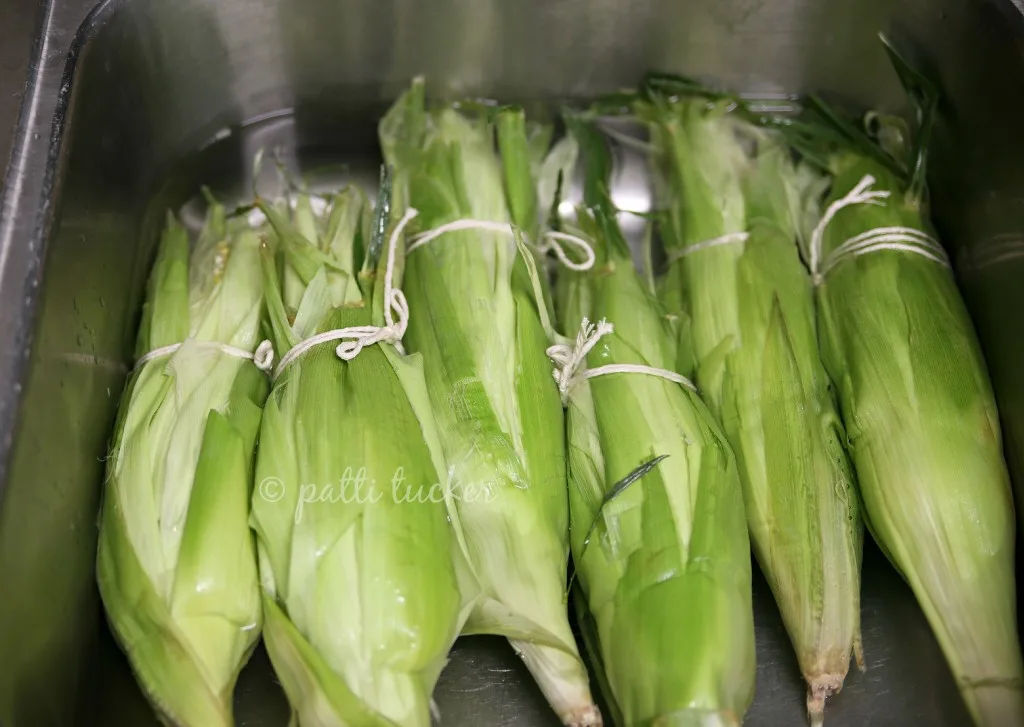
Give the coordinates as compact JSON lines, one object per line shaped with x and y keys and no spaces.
{"x":921,"y":417}
{"x":750,"y":309}
{"x":476,"y":320}
{"x":658,"y":535}
{"x":925,"y":440}
{"x":176,"y":563}
{"x":356,"y":559}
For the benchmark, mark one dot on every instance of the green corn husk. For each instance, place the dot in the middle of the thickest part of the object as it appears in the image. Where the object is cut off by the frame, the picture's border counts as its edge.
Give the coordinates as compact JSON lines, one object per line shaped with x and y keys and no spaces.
{"x":176,"y":563}
{"x":758,"y":365}
{"x":922,"y":424}
{"x":925,"y":440}
{"x":475,"y":318}
{"x":659,"y":539}
{"x":360,"y":594}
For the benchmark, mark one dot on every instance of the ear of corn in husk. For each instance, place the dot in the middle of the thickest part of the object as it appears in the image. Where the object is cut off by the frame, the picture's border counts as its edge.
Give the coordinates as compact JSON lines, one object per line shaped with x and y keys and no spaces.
{"x":659,"y":539}
{"x":176,"y":563}
{"x":733,"y":198}
{"x":356,"y":559}
{"x":919,"y":410}
{"x":477,"y":321}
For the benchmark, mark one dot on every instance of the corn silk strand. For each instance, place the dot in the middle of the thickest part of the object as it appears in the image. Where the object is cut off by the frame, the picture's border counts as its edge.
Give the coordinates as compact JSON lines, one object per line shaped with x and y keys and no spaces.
{"x":902,"y":239}
{"x":570,"y":361}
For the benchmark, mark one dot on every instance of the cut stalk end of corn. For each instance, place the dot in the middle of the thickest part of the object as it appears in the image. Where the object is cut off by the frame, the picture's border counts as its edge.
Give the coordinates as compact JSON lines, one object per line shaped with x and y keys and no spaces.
{"x":819,"y":689}
{"x":561,"y":677}
{"x":587,"y":716}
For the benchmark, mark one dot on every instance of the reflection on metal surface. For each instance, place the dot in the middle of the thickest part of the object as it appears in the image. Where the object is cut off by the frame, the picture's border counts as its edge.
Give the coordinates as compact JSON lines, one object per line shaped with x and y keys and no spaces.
{"x":151,"y":82}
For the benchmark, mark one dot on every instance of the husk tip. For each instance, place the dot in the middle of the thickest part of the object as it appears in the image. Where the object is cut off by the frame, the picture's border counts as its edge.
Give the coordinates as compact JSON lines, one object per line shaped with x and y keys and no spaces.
{"x":858,"y":653}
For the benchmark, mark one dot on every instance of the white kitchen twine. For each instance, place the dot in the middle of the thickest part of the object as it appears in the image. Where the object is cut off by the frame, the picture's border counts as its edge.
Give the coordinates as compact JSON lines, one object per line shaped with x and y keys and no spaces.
{"x":570,"y":361}
{"x":552,"y":240}
{"x":355,"y":338}
{"x":263,"y":357}
{"x":902,"y":239}
{"x":730,"y":238}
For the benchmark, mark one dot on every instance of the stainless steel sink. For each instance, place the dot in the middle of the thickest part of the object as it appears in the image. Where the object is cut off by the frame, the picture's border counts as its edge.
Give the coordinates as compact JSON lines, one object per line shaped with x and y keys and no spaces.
{"x":153,"y":98}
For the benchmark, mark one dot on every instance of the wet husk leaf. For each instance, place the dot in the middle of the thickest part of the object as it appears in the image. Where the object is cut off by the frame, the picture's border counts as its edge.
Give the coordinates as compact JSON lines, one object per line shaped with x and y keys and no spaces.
{"x":480,"y":325}
{"x":925,"y":441}
{"x":176,"y":562}
{"x":659,"y":540}
{"x":356,"y":558}
{"x":750,"y":309}
{"x":920,"y":415}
